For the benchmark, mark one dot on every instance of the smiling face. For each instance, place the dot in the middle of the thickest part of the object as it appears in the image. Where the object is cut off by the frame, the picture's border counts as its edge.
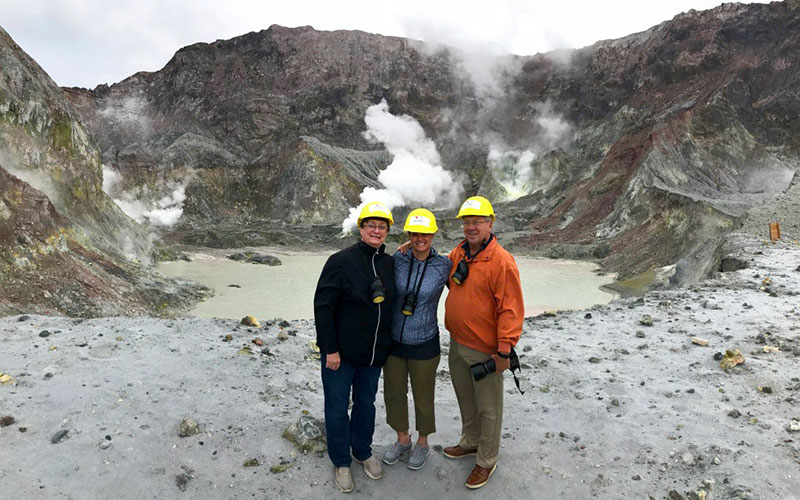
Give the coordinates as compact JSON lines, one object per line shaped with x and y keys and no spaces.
{"x":373,"y":231}
{"x":420,"y":244}
{"x":477,"y":229}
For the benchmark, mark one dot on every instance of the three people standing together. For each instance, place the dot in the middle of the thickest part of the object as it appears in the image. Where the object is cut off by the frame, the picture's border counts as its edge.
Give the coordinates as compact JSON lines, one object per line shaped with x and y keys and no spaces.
{"x":483,"y":313}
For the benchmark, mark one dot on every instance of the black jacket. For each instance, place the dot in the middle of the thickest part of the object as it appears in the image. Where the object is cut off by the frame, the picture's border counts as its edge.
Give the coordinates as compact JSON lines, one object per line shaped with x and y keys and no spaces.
{"x":347,"y":320}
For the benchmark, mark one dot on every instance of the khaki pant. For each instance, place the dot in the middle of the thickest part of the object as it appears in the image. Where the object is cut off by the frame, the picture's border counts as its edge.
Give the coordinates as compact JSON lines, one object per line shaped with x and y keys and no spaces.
{"x":396,"y":372}
{"x":481,"y":404}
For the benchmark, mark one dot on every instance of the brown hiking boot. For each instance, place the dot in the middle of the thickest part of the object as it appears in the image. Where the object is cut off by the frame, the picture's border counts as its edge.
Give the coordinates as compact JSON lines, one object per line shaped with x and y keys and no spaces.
{"x":458,"y":452}
{"x":479,"y":476}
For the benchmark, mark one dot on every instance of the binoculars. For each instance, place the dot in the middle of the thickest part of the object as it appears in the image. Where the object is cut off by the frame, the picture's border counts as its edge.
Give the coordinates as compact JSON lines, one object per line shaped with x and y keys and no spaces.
{"x":376,"y":291}
{"x":461,"y":273}
{"x":409,"y":304}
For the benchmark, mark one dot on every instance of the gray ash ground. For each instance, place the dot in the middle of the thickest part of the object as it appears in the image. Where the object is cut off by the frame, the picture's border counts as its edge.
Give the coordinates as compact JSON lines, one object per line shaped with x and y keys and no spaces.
{"x":613,"y":408}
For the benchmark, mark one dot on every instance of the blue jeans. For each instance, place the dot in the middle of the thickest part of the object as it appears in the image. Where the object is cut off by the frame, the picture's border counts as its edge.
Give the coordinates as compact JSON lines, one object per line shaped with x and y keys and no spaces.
{"x":354,"y":431}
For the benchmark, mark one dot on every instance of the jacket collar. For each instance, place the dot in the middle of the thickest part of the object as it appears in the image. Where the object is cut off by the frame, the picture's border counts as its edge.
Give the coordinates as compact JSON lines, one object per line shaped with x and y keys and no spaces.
{"x":368,"y":250}
{"x":410,"y":255}
{"x":486,"y":252}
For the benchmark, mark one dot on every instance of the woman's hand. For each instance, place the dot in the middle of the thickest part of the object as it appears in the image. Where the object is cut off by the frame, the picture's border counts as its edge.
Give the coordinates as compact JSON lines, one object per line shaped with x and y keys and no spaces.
{"x":332,"y":361}
{"x":404,"y":247}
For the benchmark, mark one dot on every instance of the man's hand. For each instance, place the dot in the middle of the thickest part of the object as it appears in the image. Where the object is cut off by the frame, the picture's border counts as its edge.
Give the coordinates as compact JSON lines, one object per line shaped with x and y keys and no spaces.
{"x":501,"y":364}
{"x":332,"y":361}
{"x":404,"y":247}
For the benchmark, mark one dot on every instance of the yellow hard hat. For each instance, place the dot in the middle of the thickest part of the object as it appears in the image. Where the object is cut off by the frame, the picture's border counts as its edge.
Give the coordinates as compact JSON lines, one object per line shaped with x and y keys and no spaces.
{"x":375,"y":209}
{"x":476,"y":205}
{"x":421,"y":220}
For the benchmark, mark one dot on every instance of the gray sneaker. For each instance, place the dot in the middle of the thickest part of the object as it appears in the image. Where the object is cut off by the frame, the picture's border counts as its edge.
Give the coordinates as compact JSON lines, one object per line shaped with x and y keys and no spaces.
{"x":395,"y":451}
{"x":372,"y":467}
{"x":344,"y":479}
{"x":418,"y":456}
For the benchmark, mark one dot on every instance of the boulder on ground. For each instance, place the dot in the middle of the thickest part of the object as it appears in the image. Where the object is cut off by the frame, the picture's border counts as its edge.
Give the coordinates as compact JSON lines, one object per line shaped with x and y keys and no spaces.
{"x":308,"y":434}
{"x":731,"y":358}
{"x":730,"y":264}
{"x":255,"y":258}
{"x":188,"y":427}
{"x":250,"y":321}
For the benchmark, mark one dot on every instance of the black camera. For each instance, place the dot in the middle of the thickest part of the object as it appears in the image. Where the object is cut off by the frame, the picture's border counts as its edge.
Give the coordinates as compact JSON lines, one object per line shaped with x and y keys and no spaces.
{"x":376,"y":291}
{"x":462,"y":271}
{"x":480,"y":370}
{"x":409,"y":304}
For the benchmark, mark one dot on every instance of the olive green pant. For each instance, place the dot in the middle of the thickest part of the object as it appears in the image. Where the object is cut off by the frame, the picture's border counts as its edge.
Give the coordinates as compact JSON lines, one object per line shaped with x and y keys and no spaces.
{"x":481,"y":404}
{"x":396,"y":372}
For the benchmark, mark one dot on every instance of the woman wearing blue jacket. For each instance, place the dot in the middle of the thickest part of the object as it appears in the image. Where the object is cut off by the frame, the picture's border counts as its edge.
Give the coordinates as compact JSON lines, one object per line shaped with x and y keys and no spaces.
{"x":420,"y":276}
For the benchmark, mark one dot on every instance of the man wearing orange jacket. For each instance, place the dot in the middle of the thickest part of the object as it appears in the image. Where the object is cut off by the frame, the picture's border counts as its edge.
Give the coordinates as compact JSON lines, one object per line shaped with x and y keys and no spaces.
{"x":484,"y":312}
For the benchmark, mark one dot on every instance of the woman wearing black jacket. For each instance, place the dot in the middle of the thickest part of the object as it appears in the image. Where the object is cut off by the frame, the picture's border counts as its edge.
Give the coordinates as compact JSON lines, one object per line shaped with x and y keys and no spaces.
{"x":352,"y":314}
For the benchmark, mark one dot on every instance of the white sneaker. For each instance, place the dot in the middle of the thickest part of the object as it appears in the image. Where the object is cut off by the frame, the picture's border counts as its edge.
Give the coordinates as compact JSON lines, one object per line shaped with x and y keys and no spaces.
{"x":344,"y":479}
{"x":372,"y":467}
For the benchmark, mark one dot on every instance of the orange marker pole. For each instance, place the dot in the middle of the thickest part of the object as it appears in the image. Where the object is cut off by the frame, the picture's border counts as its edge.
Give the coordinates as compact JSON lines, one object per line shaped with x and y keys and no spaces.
{"x":774,"y":231}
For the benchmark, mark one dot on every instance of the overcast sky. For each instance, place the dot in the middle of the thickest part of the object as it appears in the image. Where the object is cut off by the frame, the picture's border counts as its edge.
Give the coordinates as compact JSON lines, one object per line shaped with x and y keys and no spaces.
{"x":88,"y":42}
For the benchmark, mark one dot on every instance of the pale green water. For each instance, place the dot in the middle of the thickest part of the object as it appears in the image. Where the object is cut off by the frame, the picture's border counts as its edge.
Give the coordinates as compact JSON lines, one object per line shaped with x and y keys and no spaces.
{"x":287,"y":291}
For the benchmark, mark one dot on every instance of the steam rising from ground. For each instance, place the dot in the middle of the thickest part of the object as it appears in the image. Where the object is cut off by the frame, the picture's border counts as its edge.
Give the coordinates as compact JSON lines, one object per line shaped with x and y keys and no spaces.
{"x":164,"y":212}
{"x":513,"y":168}
{"x":490,"y":69}
{"x":37,"y":179}
{"x":415,"y":176}
{"x":127,"y":112}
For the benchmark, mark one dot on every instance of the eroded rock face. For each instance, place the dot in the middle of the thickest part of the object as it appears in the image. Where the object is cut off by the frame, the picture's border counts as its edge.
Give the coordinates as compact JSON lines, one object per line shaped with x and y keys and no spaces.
{"x":671,"y":134}
{"x":65,"y":247}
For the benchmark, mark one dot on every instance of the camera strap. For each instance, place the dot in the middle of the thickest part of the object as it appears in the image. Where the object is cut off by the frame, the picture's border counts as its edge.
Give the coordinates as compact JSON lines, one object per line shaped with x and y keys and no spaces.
{"x":516,"y":381}
{"x":417,"y":281}
{"x":515,"y":366}
{"x":418,"y":286}
{"x":468,"y":257}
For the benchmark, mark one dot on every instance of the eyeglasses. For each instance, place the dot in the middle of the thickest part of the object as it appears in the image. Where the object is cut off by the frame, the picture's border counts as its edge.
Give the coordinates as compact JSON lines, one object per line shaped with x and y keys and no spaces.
{"x":473,"y":223}
{"x":371,"y":226}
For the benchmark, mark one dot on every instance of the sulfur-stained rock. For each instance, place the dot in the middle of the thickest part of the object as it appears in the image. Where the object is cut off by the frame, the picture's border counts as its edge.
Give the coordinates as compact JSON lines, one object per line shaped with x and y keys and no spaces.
{"x":731,"y":358}
{"x":250,"y":321}
{"x":188,"y":427}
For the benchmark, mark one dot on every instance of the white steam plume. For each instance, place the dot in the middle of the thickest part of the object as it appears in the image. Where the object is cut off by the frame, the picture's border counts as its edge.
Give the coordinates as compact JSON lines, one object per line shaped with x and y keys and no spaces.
{"x":163,"y":213}
{"x":127,"y":113}
{"x":415,"y":175}
{"x":513,"y":169}
{"x":37,"y":179}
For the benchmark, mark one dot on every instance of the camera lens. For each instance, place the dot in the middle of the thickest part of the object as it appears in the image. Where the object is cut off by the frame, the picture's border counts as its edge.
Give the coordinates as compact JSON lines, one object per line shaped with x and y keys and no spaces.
{"x":480,"y":370}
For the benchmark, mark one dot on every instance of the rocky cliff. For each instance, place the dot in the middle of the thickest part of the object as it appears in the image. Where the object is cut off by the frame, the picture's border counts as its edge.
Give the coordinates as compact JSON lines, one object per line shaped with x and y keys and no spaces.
{"x":65,"y":247}
{"x":641,"y":151}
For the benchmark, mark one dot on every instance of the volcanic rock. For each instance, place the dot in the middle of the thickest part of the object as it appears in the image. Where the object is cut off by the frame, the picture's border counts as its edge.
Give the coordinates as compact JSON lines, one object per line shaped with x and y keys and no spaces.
{"x":308,"y":434}
{"x":188,"y":427}
{"x":674,"y":133}
{"x":256,"y":258}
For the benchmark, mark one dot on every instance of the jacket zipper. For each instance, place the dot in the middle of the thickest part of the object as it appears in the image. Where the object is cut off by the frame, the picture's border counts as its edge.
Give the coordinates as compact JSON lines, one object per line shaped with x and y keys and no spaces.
{"x":377,"y":326}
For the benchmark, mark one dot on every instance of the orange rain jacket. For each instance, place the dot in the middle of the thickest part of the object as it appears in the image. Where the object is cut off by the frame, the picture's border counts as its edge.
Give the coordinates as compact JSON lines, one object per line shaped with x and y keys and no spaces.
{"x":486,"y":311}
